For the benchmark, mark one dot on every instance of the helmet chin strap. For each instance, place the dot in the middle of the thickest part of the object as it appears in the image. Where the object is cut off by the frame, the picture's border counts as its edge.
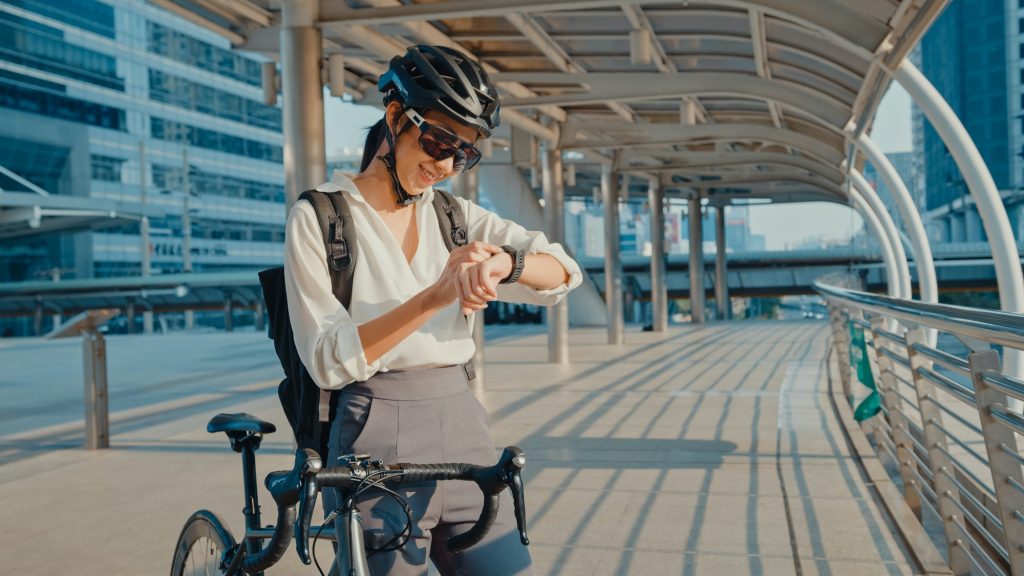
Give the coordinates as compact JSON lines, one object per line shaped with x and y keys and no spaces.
{"x":402,"y":198}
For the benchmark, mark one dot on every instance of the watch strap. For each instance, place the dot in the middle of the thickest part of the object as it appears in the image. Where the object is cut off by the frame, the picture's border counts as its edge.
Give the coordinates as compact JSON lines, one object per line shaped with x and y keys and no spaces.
{"x":518,"y":263}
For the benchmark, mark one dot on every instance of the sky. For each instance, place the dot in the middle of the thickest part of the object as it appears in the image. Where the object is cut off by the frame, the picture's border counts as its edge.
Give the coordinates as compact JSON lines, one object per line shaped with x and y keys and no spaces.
{"x":783,"y":225}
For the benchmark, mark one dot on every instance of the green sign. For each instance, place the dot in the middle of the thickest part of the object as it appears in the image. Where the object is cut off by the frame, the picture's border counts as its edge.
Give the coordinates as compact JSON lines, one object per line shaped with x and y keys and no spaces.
{"x":859,"y":361}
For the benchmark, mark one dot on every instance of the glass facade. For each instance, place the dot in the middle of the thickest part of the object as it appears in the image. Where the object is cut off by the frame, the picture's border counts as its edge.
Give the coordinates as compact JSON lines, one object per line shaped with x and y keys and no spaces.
{"x":117,"y":99}
{"x":965,"y":55}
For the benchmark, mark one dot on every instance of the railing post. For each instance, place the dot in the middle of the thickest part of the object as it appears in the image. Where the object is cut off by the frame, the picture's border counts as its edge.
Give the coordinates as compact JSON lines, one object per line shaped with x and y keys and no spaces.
{"x":886,"y":385}
{"x":97,"y":425}
{"x":935,"y":441}
{"x":1001,"y":446}
{"x":841,"y":337}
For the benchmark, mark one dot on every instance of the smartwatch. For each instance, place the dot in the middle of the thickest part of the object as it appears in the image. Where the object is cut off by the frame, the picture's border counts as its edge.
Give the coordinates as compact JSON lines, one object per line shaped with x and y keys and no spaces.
{"x":518,"y":262}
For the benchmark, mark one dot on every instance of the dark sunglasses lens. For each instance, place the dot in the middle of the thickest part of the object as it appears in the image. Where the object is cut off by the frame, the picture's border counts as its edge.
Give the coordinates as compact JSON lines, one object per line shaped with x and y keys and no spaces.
{"x":441,"y":145}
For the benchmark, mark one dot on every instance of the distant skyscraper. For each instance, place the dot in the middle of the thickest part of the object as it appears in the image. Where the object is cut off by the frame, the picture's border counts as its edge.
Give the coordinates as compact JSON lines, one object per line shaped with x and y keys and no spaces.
{"x":116,"y":99}
{"x":904,"y":164}
{"x":973,"y":55}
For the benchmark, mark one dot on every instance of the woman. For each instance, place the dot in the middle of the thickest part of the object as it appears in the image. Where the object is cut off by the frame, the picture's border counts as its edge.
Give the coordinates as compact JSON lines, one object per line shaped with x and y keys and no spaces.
{"x":397,"y":353}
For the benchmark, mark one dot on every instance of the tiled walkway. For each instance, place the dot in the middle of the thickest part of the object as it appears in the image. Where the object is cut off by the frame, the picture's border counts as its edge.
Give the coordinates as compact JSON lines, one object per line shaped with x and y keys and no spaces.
{"x":710,"y":450}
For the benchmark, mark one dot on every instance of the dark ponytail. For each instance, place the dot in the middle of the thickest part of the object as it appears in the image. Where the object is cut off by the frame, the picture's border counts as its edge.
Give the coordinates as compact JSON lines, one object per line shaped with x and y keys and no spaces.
{"x":373,"y":140}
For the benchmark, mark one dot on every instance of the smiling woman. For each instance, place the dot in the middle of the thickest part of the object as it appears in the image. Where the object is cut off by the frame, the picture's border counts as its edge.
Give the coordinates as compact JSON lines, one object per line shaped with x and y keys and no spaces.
{"x":395,"y":351}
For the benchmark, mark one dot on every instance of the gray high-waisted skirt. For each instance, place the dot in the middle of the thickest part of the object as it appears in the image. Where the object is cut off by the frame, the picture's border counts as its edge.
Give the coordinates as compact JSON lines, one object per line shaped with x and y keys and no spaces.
{"x":425,"y":416}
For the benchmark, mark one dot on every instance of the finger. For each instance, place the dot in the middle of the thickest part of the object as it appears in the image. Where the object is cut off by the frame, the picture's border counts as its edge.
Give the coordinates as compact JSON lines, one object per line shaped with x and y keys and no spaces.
{"x":474,"y":282}
{"x":483,"y":278}
{"x":467,"y":288}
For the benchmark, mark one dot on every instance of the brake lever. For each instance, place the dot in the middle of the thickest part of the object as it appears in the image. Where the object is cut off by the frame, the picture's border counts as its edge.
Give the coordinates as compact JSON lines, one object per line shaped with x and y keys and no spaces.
{"x":308,"y":491}
{"x":514,"y":480}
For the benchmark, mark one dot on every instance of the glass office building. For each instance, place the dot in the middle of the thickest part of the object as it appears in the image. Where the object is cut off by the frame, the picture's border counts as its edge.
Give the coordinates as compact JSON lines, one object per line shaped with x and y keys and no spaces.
{"x":118,"y":99}
{"x":973,"y":54}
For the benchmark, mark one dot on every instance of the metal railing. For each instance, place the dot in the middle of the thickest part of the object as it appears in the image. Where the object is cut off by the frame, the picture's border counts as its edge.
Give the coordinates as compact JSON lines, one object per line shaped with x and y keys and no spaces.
{"x":949,"y":418}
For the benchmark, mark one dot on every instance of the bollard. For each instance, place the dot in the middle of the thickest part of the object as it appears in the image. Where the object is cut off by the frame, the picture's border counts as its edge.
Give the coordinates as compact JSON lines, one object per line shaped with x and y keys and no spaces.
{"x":97,"y":425}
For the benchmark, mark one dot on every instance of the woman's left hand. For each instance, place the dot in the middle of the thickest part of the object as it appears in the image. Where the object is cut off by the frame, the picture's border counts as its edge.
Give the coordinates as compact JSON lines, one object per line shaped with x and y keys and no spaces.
{"x":479,"y":281}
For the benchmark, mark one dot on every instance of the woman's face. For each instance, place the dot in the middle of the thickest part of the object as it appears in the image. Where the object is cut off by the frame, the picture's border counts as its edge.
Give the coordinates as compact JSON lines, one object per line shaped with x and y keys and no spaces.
{"x":416,"y":169}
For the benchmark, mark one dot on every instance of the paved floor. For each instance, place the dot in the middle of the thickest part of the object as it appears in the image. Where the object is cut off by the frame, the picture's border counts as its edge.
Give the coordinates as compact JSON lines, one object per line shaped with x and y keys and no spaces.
{"x":701,"y":451}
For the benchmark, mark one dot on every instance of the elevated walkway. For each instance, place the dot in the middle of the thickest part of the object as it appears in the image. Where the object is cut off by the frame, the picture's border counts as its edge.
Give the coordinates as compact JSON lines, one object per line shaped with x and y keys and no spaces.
{"x":712,"y":450}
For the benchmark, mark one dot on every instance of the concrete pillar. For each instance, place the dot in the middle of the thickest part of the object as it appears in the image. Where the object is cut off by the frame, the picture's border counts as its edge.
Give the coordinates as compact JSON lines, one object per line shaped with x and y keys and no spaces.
{"x":130,"y":316}
{"x":38,"y":318}
{"x":257,"y":312}
{"x":229,"y":313}
{"x":612,"y":255}
{"x":659,"y":287}
{"x":721,"y":272}
{"x":302,"y":98}
{"x":696,"y":260}
{"x":470,"y":184}
{"x":97,"y":424}
{"x":973,"y":229}
{"x":554,"y":216}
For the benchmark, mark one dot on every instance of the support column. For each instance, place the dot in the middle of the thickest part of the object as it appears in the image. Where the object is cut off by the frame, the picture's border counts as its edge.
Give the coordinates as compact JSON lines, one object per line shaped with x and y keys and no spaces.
{"x":144,"y":243}
{"x":470,"y":184}
{"x":229,"y":313}
{"x":130,"y":315}
{"x":659,"y":288}
{"x":721,"y":272}
{"x":1005,"y":255}
{"x":696,"y":260}
{"x":37,"y":320}
{"x":612,"y":255}
{"x":257,"y":312}
{"x":554,"y":216}
{"x":302,"y":99}
{"x":926,"y":278}
{"x":891,"y":235}
{"x":97,"y":425}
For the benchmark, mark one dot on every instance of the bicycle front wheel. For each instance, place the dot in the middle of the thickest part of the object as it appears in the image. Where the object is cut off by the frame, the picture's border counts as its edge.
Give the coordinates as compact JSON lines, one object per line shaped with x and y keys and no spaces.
{"x":201,"y":546}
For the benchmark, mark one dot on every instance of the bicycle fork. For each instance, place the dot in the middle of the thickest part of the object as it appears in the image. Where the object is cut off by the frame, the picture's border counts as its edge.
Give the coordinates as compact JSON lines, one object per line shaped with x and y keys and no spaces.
{"x":351,"y":557}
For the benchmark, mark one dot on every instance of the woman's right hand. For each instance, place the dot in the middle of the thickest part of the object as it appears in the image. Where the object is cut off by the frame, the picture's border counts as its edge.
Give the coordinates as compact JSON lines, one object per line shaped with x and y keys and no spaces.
{"x":450,"y":286}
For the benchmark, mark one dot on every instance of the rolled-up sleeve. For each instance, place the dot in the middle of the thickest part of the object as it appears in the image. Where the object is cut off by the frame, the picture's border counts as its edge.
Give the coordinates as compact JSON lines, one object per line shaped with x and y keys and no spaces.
{"x":486,"y":226}
{"x":326,"y":337}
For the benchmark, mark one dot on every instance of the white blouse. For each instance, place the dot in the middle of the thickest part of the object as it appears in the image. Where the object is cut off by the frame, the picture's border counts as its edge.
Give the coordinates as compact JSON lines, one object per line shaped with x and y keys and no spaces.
{"x":326,"y":334}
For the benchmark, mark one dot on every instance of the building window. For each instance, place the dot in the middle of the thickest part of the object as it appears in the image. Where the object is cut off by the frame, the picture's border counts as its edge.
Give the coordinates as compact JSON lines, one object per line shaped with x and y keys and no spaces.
{"x":23,"y":96}
{"x":194,"y":52}
{"x":106,"y":168}
{"x":190,"y":95}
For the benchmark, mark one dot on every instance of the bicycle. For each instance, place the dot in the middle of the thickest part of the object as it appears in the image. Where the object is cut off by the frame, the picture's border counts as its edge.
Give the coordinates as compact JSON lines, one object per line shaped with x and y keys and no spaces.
{"x":206,"y":545}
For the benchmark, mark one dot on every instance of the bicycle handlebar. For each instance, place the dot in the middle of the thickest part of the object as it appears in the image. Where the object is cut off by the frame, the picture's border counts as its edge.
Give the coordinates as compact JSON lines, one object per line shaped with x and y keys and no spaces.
{"x":300,"y":486}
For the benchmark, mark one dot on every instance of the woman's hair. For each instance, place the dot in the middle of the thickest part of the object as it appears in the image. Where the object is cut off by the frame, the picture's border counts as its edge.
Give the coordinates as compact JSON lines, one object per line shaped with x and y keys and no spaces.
{"x":374,"y":137}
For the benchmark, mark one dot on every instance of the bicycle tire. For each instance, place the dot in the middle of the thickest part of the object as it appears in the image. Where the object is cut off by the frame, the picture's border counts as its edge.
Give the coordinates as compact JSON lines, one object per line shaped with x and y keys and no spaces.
{"x":201,"y":546}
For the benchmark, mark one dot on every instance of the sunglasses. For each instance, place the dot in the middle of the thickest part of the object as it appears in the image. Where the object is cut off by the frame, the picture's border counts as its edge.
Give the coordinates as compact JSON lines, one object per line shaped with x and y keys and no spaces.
{"x":441,"y":143}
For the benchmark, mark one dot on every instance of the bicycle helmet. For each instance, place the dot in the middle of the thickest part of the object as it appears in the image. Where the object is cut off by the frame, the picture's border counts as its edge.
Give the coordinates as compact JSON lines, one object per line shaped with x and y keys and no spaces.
{"x":442,"y":79}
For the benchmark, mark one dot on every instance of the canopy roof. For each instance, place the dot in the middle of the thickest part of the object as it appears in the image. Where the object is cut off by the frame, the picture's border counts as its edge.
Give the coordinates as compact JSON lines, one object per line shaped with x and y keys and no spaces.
{"x":729,"y":97}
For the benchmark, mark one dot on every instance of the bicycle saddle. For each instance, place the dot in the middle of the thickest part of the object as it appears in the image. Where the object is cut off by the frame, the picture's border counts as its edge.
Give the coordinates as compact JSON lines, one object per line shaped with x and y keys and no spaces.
{"x":240,"y":422}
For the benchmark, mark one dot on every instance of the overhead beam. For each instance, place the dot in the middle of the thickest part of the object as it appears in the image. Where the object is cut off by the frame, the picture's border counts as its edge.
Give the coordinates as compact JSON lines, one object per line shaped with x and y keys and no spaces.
{"x":653,"y":135}
{"x":543,"y":42}
{"x":830,"y":174}
{"x":601,"y":87}
{"x":842,"y":23}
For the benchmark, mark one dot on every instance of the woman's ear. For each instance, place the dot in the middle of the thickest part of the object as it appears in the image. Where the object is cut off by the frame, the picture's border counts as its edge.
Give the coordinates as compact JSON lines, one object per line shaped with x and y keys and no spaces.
{"x":391,"y":116}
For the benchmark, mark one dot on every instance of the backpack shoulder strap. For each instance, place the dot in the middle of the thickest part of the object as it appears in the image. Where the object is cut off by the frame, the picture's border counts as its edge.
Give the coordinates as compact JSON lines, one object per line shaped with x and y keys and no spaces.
{"x":339,"y":234}
{"x":335,"y":219}
{"x":451,"y":219}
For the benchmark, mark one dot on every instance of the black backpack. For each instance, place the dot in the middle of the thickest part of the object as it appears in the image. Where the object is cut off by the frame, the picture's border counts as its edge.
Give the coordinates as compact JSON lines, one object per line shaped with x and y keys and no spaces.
{"x":309,"y":408}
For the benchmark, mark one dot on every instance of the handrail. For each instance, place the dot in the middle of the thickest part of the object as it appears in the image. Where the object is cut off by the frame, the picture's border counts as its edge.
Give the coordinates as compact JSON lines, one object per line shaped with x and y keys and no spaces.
{"x":1004,"y":328}
{"x":977,"y":492}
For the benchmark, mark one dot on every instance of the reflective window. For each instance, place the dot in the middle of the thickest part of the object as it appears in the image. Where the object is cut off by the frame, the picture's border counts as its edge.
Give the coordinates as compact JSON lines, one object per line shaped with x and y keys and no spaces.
{"x":183,"y":48}
{"x":43,"y":48}
{"x":85,"y":14}
{"x":20,"y":92}
{"x":106,"y":168}
{"x":213,"y":140}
